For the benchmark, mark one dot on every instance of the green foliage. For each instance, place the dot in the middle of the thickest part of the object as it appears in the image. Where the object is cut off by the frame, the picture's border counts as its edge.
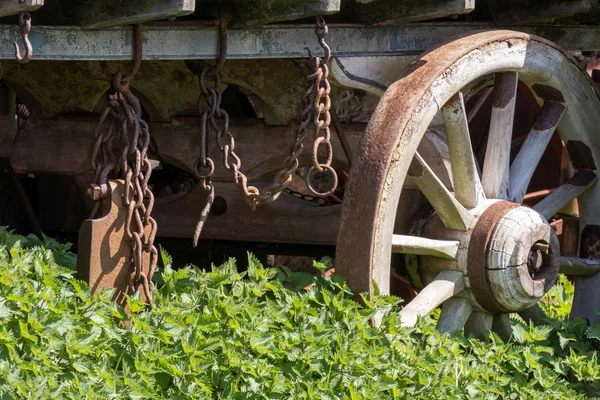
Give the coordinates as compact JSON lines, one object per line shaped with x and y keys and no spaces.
{"x":259,"y":334}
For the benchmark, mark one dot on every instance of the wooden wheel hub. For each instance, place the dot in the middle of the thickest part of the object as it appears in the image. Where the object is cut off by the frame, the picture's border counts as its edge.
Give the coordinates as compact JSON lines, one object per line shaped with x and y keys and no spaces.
{"x":513,"y":258}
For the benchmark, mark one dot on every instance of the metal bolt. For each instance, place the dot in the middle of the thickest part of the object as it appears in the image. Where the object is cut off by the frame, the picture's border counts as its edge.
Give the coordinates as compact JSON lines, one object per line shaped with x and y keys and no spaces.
{"x":536,"y":256}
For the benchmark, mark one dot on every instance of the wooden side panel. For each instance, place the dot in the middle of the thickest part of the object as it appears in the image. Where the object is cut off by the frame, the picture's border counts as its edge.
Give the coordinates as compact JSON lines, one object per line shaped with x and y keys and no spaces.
{"x":382,"y":12}
{"x":12,"y":7}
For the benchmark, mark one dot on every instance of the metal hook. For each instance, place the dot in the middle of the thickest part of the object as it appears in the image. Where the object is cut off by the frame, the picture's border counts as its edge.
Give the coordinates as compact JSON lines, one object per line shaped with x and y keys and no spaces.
{"x":25,"y":26}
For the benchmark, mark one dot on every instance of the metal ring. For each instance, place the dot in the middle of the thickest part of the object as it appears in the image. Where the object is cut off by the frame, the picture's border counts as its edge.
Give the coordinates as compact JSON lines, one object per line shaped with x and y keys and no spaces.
{"x":313,"y":171}
{"x":198,"y":168}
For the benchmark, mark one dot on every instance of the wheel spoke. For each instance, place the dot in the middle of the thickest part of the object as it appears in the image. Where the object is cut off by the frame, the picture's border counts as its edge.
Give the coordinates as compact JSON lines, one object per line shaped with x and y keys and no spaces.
{"x":532,"y":150}
{"x":419,"y":246}
{"x":455,"y":313}
{"x":467,"y":185}
{"x":535,"y":315}
{"x":479,"y":323}
{"x":497,"y":155}
{"x":501,"y":326}
{"x":445,"y":285}
{"x":451,"y":212}
{"x":562,"y":196}
{"x":579,"y":266}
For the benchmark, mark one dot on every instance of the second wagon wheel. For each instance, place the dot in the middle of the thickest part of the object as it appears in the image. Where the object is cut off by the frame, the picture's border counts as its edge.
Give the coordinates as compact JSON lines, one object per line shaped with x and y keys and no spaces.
{"x":481,"y":253}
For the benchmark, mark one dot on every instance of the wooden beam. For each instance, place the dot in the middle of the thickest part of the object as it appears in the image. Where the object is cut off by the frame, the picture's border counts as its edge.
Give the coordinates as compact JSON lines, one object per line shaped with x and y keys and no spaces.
{"x":531,"y":11}
{"x":382,"y":12}
{"x":12,"y":7}
{"x":579,"y":266}
{"x":66,"y":143}
{"x":262,"y":12}
{"x":94,"y":14}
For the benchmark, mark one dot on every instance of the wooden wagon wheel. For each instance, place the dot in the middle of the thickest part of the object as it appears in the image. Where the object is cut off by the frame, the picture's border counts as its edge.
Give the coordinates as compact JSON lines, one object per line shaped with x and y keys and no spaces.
{"x":482,"y":254}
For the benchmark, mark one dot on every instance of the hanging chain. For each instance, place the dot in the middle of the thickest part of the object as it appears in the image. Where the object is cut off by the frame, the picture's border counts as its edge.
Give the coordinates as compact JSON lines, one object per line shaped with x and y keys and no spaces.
{"x":211,"y":113}
{"x":322,"y":115}
{"x":124,"y":145}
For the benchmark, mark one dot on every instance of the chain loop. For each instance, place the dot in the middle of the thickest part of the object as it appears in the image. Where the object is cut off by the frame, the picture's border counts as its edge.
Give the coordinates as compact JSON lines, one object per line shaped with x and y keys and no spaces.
{"x":322,"y":114}
{"x":124,"y":145}
{"x":315,"y":102}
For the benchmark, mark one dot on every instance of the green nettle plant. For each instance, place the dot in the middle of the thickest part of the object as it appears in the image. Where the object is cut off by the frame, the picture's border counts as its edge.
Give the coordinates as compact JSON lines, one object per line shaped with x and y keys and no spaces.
{"x":258,"y":334}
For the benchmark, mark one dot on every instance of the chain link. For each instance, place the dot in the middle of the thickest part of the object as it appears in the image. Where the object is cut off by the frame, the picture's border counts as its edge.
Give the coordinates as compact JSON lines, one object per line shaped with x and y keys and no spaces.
{"x":322,"y":115}
{"x":124,"y":146}
{"x":215,"y":119}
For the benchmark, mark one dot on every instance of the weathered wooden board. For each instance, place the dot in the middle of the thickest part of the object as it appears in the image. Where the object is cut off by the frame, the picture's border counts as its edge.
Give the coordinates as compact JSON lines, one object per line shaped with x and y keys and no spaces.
{"x":12,"y":7}
{"x":381,"y":12}
{"x":94,"y":14}
{"x":530,"y":11}
{"x":66,"y":144}
{"x":171,"y":41}
{"x":261,"y":12}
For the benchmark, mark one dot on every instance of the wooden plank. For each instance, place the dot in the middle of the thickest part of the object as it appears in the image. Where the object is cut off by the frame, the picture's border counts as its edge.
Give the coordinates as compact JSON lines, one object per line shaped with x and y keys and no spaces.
{"x":524,"y":165}
{"x":261,"y":12}
{"x":94,"y":14}
{"x":382,"y":12}
{"x":467,"y":185}
{"x":172,"y":41}
{"x":531,"y":11}
{"x":455,"y":313}
{"x":66,"y":144}
{"x":447,"y":249}
{"x":451,"y":212}
{"x":444,"y":286}
{"x":497,"y":155}
{"x":579,"y":266}
{"x":12,"y":7}
{"x":579,"y":183}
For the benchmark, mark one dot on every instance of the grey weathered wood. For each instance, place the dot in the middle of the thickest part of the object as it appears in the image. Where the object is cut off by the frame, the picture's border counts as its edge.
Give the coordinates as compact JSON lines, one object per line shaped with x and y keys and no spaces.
{"x":586,"y":300}
{"x":579,"y":266}
{"x":574,"y":187}
{"x":444,"y":286}
{"x":530,"y":11}
{"x":94,"y":14}
{"x":501,"y":326}
{"x":172,"y":41}
{"x":479,"y":324}
{"x":455,"y":313}
{"x":261,"y":12}
{"x":12,"y":7}
{"x":447,"y":249}
{"x":394,"y":11}
{"x":451,"y":212}
{"x":467,"y":186}
{"x":497,"y":156}
{"x":531,"y":152}
{"x":535,"y":315}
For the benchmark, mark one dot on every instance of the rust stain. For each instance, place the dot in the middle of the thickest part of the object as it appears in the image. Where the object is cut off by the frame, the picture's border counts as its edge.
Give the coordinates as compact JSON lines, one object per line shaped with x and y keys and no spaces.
{"x":580,"y":155}
{"x":548,"y":92}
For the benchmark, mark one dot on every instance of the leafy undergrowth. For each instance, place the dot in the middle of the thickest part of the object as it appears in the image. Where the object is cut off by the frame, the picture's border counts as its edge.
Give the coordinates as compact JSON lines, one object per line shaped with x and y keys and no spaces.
{"x":258,"y":334}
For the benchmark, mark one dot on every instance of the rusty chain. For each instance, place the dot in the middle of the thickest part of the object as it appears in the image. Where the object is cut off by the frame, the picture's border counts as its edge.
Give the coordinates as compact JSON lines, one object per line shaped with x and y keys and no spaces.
{"x":322,"y":114}
{"x":25,"y":27}
{"x":124,"y":146}
{"x":209,"y":105}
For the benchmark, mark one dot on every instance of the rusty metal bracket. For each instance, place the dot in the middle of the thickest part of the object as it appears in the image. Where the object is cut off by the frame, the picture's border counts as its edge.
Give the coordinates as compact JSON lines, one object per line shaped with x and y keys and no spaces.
{"x":105,"y":259}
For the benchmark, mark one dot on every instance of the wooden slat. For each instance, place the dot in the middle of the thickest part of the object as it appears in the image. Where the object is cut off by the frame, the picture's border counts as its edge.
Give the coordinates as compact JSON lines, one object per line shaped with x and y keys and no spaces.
{"x":497,"y":156}
{"x":531,"y":11}
{"x":479,"y":324}
{"x":575,"y":186}
{"x":393,"y":11}
{"x":447,"y":249}
{"x":535,"y":315}
{"x":94,"y":14}
{"x":579,"y":266}
{"x":12,"y":7}
{"x":467,"y":185}
{"x":444,"y":286}
{"x":531,"y":152}
{"x":451,"y":212}
{"x":501,"y":326}
{"x":455,"y":313}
